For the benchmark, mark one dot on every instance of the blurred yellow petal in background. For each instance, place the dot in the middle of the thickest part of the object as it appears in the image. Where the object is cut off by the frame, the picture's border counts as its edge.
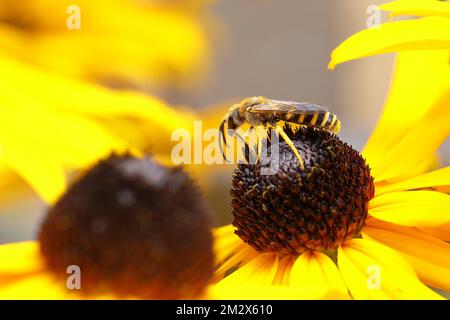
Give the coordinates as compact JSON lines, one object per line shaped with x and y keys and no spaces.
{"x":118,"y":42}
{"x":50,"y":123}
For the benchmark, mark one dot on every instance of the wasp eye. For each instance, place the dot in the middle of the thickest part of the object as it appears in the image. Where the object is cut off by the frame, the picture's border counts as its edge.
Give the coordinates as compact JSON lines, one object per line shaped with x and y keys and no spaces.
{"x":134,"y":227}
{"x":296,"y":209}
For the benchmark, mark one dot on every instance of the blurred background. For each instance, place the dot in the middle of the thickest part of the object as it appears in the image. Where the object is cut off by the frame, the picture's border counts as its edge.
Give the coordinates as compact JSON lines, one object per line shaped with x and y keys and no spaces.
{"x":278,"y":49}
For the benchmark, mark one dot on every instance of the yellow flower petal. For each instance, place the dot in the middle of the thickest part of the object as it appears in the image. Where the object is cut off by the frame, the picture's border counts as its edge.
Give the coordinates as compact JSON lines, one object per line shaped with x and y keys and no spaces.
{"x":38,"y":126}
{"x":284,"y":271}
{"x":315,"y":270}
{"x":428,"y":255}
{"x":432,"y":163}
{"x":418,"y":144}
{"x":260,"y":279}
{"x":41,"y":286}
{"x":49,"y":181}
{"x":259,"y":271}
{"x":417,"y":8}
{"x":230,"y":251}
{"x":20,"y":262}
{"x":12,"y":187}
{"x":225,"y":242}
{"x":420,"y":34}
{"x":412,"y":208}
{"x":78,"y":97}
{"x":420,"y":79}
{"x":441,"y":232}
{"x":356,"y":279}
{"x":374,"y":271}
{"x":20,"y":258}
{"x":435,"y":178}
{"x":150,"y":44}
{"x":240,"y":257}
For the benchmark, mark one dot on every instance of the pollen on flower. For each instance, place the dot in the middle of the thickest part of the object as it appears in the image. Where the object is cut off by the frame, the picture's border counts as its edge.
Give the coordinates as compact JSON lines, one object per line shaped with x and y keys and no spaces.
{"x":295,"y":210}
{"x":134,"y":227}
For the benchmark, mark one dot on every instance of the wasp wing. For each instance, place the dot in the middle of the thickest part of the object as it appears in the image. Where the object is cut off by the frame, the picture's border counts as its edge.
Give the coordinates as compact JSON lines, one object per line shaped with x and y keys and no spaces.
{"x":293,"y":107}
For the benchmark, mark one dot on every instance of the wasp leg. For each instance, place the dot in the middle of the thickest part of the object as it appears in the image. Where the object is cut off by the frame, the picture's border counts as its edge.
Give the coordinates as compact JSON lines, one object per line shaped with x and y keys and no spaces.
{"x":222,"y":136}
{"x":291,"y":145}
{"x":258,"y":143}
{"x":247,"y":149}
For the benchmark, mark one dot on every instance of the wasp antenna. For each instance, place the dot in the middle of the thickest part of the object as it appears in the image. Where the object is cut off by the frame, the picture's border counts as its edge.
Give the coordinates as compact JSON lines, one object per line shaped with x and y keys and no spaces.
{"x":247,"y":153}
{"x":222,"y":136}
{"x":222,"y":131}
{"x":222,"y":151}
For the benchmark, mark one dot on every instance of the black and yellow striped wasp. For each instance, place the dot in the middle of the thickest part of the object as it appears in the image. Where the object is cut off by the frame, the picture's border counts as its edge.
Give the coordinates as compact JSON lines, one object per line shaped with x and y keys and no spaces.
{"x":262,"y":113}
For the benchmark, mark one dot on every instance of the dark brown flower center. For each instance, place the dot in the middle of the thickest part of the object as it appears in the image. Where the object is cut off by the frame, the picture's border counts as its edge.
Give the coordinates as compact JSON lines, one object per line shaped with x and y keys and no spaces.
{"x":295,"y":210}
{"x":134,"y":227}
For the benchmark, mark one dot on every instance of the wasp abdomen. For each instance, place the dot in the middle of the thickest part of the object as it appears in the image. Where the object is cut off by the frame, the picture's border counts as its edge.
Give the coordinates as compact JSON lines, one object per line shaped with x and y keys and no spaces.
{"x":325,"y":120}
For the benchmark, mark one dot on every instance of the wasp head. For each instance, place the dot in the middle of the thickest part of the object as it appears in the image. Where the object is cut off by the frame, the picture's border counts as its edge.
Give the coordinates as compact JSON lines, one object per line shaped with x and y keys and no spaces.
{"x":250,"y":102}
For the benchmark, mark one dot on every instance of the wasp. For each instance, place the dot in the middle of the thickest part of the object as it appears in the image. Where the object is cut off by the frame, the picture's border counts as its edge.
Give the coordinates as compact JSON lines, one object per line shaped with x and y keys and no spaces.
{"x":262,"y":113}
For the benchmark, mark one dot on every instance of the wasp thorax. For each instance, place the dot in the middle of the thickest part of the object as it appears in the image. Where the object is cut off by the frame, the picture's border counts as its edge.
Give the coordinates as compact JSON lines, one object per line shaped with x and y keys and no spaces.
{"x":133,"y":227}
{"x":295,"y":210}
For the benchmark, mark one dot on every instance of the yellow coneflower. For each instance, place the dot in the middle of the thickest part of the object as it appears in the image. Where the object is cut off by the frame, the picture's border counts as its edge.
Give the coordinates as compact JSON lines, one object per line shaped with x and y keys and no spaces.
{"x":115,"y":42}
{"x":331,"y":231}
{"x":129,"y":228}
